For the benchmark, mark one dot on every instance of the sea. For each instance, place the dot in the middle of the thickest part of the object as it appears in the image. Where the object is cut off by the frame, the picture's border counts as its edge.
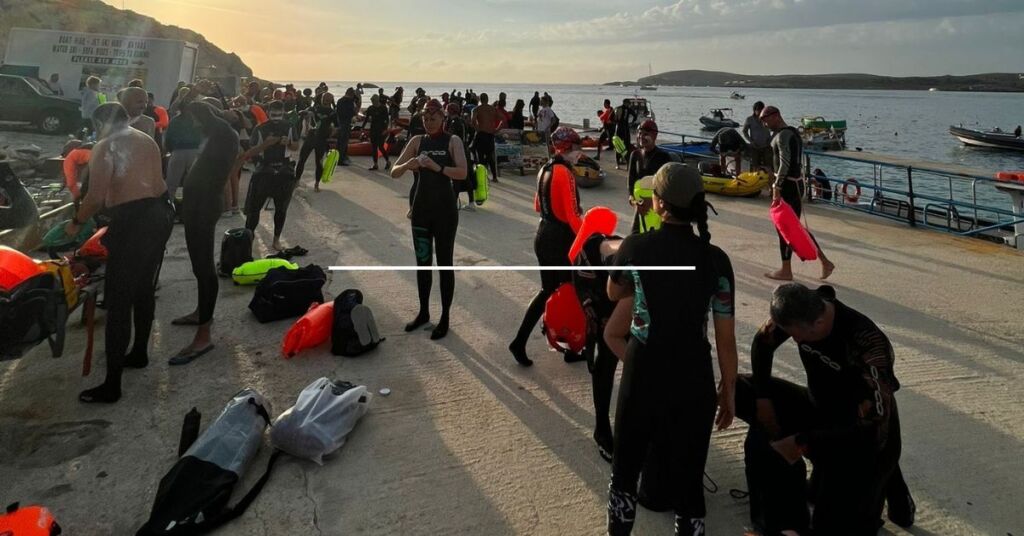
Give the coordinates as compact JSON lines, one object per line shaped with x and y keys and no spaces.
{"x":909,"y":124}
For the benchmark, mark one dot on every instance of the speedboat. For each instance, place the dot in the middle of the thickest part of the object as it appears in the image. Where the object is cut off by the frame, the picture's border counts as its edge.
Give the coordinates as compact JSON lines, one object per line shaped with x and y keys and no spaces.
{"x":718,"y":119}
{"x":823,"y":135}
{"x":994,"y":139}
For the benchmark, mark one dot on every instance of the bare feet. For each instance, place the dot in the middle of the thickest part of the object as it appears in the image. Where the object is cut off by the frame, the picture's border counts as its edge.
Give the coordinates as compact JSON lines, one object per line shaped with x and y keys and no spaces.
{"x":826,"y":268}
{"x":780,"y":275}
{"x":316,"y":187}
{"x":277,"y":245}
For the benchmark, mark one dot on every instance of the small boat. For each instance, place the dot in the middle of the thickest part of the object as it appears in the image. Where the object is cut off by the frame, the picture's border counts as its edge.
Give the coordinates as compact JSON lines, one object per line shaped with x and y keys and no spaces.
{"x":747,"y":184}
{"x":737,"y":96}
{"x":933,"y":89}
{"x":821,"y":134}
{"x":648,"y":88}
{"x":994,"y":139}
{"x":718,"y":119}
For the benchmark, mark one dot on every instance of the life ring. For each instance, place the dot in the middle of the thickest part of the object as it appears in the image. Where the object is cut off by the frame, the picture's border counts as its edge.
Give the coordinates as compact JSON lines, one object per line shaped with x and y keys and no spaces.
{"x":846,"y":191}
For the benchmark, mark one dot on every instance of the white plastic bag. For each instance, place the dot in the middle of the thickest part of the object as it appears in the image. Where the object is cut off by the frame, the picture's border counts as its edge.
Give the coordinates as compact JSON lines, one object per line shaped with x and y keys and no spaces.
{"x":320,"y":420}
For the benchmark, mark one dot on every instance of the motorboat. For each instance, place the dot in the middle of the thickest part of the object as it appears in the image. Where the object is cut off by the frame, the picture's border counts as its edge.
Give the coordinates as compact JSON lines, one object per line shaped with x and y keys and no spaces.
{"x":821,"y":134}
{"x":994,"y":139}
{"x":718,"y":119}
{"x":648,"y":88}
{"x":641,"y":108}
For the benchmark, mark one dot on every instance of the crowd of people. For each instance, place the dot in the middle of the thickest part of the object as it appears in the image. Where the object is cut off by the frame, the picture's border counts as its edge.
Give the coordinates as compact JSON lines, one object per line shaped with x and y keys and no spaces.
{"x":655,"y":321}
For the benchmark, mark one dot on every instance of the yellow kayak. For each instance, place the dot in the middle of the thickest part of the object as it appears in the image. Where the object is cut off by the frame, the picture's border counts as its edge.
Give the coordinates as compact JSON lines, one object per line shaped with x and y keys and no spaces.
{"x":745,"y":185}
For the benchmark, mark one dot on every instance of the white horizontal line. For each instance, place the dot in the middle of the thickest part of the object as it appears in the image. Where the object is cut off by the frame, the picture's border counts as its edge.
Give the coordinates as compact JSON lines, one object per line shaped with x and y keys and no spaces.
{"x":501,"y":268}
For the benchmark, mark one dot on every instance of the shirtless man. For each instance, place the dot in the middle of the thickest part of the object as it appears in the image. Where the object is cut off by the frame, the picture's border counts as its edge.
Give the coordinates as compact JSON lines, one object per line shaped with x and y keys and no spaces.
{"x":135,"y":100}
{"x":485,"y":121}
{"x":125,"y":180}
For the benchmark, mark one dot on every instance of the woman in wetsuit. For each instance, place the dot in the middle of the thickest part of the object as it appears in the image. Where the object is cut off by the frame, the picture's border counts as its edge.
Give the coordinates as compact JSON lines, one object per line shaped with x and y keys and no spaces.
{"x":321,"y":120}
{"x":377,"y":116}
{"x":126,"y":182}
{"x":668,"y":388}
{"x":518,"y":120}
{"x":437,"y":158}
{"x":201,"y":204}
{"x":557,"y":201}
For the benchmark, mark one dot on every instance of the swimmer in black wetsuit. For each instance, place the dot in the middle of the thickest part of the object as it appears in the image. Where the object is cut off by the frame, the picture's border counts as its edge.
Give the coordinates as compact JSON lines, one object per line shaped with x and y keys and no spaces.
{"x":644,"y":162}
{"x":274,"y":177}
{"x":201,"y":205}
{"x":437,"y":158}
{"x":845,"y":421}
{"x":322,"y":119}
{"x":668,"y":386}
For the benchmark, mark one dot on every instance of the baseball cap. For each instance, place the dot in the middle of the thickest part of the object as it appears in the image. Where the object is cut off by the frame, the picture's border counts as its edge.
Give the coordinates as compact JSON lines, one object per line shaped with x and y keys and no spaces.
{"x":677,"y":184}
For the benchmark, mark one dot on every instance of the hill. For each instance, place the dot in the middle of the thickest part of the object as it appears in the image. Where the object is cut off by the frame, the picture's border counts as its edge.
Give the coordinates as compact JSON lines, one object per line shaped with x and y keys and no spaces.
{"x":1004,"y":82}
{"x":97,"y":17}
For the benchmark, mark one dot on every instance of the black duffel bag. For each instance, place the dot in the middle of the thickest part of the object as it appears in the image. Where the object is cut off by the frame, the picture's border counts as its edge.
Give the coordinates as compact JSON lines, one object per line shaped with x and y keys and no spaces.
{"x":285,"y":293}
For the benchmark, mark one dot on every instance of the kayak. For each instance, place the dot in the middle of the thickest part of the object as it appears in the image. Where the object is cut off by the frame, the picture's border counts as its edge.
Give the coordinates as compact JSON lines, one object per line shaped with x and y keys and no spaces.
{"x":747,"y":184}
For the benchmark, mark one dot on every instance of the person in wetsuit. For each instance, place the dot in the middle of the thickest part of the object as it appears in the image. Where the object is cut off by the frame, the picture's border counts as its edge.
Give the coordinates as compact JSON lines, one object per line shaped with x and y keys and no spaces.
{"x":644,"y":162}
{"x":125,"y":181}
{"x":557,"y":201}
{"x":346,"y":110}
{"x":485,"y":121}
{"x":377,"y":115}
{"x":845,"y":421}
{"x":607,"y":118}
{"x":321,"y":119}
{"x":274,"y":177}
{"x":534,"y":106}
{"x":728,"y":142}
{"x":518,"y":120}
{"x":787,"y":148}
{"x":437,"y":158}
{"x":201,"y":204}
{"x":455,"y":125}
{"x":625,"y":116}
{"x":667,"y":389}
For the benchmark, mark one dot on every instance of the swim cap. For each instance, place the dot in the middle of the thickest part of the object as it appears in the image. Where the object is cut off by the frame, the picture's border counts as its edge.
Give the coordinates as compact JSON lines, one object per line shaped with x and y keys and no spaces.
{"x":453,"y":108}
{"x":649,"y":126}
{"x":564,"y":138}
{"x":433,"y":105}
{"x":769,"y":111}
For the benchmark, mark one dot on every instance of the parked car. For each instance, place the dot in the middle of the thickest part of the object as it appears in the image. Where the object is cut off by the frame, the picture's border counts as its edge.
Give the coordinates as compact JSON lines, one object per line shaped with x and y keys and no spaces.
{"x":29,"y":100}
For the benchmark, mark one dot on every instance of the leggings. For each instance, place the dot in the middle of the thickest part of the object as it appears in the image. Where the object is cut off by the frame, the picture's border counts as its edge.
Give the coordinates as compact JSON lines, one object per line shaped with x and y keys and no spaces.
{"x":200,"y":233}
{"x":850,"y":482}
{"x":551,"y":245}
{"x":135,"y":240}
{"x":602,"y":379}
{"x":793,"y":193}
{"x":377,"y":145}
{"x":429,"y":235}
{"x":344,"y":133}
{"x":316,"y":146}
{"x":662,"y":403}
{"x":264,"y":185}
{"x":177,"y":168}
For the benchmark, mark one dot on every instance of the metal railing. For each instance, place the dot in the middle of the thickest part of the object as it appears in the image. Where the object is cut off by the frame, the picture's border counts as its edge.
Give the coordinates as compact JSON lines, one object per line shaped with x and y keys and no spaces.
{"x":931,"y":195}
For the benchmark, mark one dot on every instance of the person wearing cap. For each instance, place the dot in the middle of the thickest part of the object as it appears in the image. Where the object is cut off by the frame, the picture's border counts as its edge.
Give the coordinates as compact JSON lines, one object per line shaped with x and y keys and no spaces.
{"x":274,"y":177}
{"x":436,"y":158}
{"x":377,"y":115}
{"x":644,"y":162}
{"x":557,"y":201}
{"x":760,"y":137}
{"x":322,"y":118}
{"x":727,"y":142}
{"x":668,"y":388}
{"x":787,"y":152}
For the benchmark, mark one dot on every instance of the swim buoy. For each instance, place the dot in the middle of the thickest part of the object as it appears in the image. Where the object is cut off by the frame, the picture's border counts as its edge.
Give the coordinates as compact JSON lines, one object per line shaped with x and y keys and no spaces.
{"x":93,"y":247}
{"x":73,"y":162}
{"x":313,"y":329}
{"x":56,"y":239}
{"x":28,"y":521}
{"x":565,"y":324}
{"x":1010,"y":176}
{"x":330,"y":163}
{"x":619,"y":145}
{"x":253,"y":272}
{"x":598,"y":220}
{"x":650,"y":220}
{"x":846,"y":190}
{"x":482,"y":189}
{"x":792,"y":231}
{"x":16,"y":267}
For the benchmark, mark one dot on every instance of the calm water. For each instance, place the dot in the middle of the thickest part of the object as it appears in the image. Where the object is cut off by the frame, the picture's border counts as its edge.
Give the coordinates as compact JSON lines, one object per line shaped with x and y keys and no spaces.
{"x":910,"y":124}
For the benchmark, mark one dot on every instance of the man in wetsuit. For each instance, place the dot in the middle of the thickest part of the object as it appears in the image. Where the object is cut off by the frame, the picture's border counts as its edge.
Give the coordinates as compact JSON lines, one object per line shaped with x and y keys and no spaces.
{"x":787,"y":150}
{"x":729,"y":143}
{"x":644,"y":162}
{"x":346,"y":110}
{"x":485,"y":120}
{"x":760,"y":137}
{"x":625,"y":115}
{"x":845,"y":421}
{"x":274,"y":177}
{"x":534,"y":106}
{"x":377,"y":115}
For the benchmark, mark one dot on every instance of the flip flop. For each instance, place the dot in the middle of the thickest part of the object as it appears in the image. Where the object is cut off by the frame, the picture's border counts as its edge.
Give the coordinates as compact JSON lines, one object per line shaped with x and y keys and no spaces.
{"x":184,"y":359}
{"x":296,"y":251}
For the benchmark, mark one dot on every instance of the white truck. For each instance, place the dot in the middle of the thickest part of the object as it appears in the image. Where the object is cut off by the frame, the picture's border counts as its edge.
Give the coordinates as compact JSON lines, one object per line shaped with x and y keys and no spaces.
{"x":116,"y":59}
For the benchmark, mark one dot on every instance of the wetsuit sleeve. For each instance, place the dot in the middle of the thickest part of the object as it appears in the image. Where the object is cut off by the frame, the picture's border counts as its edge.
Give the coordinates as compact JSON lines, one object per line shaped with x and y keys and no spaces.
{"x":723,"y":300}
{"x":563,"y":197}
{"x":762,"y":354}
{"x":633,"y":170}
{"x":872,"y":361}
{"x":784,"y":138}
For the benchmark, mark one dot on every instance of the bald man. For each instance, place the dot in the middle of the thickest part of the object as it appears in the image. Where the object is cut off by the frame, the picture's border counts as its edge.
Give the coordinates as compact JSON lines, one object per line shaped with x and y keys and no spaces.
{"x":135,"y":100}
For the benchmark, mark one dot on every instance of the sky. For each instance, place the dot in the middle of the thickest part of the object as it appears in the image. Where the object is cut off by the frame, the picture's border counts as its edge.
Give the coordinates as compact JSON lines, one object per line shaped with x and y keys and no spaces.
{"x":596,"y":41}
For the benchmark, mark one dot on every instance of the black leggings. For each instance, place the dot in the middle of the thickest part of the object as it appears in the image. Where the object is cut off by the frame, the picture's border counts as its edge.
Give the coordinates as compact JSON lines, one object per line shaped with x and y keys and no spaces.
{"x":135,"y":240}
{"x":483,"y":146}
{"x":319,"y":149}
{"x":602,"y":379}
{"x":377,"y":140}
{"x":200,"y":233}
{"x":262,"y":186}
{"x":430,"y":235}
{"x":662,"y":403}
{"x":793,"y":193}
{"x":849,"y":482}
{"x":551,"y":244}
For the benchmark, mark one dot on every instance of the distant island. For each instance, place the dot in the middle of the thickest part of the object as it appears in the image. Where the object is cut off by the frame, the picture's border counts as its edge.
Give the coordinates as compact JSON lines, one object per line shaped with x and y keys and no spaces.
{"x":96,"y":17}
{"x":998,"y":82}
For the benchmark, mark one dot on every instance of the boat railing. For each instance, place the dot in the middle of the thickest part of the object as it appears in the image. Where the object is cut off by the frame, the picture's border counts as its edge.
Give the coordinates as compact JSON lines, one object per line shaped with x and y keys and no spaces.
{"x":909,"y":191}
{"x":684,"y":137}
